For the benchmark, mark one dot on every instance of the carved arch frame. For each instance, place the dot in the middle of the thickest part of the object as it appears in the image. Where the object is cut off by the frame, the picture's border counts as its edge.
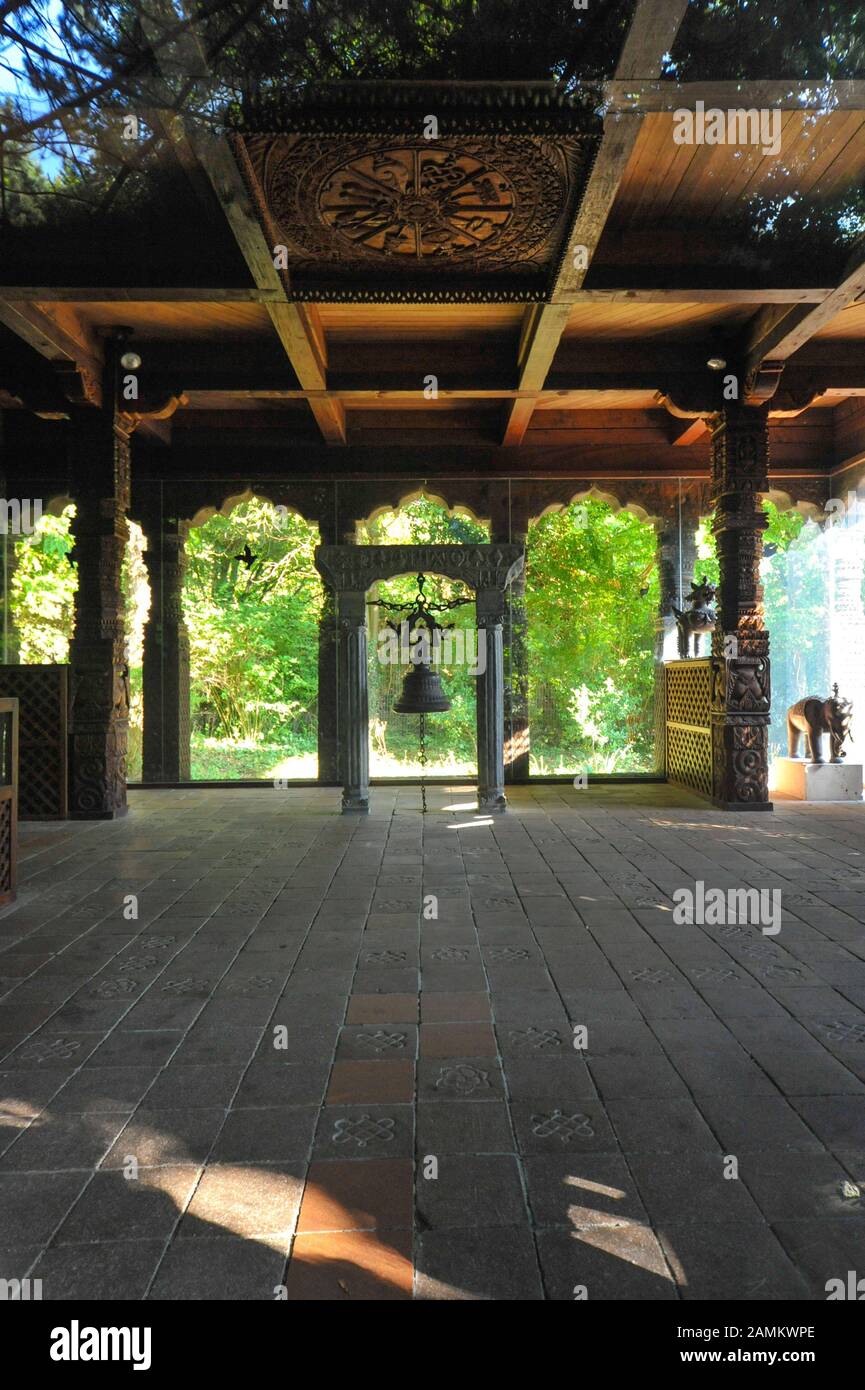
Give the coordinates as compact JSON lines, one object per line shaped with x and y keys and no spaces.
{"x":350,"y":570}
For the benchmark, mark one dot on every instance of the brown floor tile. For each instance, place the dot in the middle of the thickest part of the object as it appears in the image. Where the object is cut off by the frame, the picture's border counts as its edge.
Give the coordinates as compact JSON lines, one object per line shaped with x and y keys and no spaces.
{"x":357,"y":1265}
{"x":457,"y":1040}
{"x":382,"y":1008}
{"x":355,"y":1083}
{"x":357,"y":1194}
{"x":455,"y":1008}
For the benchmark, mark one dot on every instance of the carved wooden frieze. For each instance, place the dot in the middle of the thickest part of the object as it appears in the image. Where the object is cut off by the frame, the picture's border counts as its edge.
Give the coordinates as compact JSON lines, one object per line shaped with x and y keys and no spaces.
{"x":354,"y":568}
{"x":401,"y":217}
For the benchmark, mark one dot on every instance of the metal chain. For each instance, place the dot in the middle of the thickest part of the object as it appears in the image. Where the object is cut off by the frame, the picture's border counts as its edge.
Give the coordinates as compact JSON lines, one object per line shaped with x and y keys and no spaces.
{"x":423,"y":763}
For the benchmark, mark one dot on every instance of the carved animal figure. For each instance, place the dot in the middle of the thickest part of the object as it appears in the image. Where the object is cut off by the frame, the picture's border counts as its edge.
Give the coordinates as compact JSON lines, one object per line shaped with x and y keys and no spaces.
{"x":700,"y":617}
{"x":814,"y":717}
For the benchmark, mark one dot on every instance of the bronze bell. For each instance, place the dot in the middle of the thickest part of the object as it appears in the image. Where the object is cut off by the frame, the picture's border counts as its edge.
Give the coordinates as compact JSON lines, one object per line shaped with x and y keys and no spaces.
{"x":422,"y":692}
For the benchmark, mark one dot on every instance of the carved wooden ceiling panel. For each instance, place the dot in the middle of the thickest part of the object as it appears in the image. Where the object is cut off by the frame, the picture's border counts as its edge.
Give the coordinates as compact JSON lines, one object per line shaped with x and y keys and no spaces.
{"x":396,"y":217}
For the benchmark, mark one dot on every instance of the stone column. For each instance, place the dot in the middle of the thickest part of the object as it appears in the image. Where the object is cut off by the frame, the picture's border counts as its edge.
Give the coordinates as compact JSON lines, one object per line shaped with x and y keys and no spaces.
{"x":165,"y":755}
{"x":327,"y":705}
{"x":490,"y":703}
{"x":97,"y":654}
{"x":667,"y":553}
{"x":740,"y":643}
{"x":353,"y":701}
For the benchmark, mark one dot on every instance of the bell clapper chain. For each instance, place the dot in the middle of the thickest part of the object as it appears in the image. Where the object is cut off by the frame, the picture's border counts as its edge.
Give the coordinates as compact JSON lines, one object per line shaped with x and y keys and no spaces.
{"x":422,"y":718}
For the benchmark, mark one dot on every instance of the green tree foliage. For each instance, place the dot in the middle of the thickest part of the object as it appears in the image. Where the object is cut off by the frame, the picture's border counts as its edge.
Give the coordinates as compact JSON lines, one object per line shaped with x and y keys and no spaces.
{"x":81,"y":64}
{"x":23,"y":183}
{"x":451,"y":737}
{"x":253,"y":598}
{"x":42,"y":592}
{"x":252,"y":601}
{"x":592,"y":602}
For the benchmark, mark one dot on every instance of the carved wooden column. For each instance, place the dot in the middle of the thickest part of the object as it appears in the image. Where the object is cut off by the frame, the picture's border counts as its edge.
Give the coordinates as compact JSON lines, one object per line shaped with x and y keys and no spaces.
{"x":490,"y":703}
{"x":97,"y":653}
{"x":516,"y":655}
{"x":353,"y":701}
{"x":165,"y":756}
{"x":740,"y":643}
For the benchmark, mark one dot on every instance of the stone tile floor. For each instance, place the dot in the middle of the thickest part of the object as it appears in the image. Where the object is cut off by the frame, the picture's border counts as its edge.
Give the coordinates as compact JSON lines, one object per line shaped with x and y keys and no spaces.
{"x":250,"y":1048}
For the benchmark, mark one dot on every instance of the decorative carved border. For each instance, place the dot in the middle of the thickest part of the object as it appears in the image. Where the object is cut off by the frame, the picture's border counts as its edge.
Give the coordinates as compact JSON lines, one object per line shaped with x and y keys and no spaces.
{"x":566,"y":133}
{"x":354,"y":568}
{"x":383,"y":107}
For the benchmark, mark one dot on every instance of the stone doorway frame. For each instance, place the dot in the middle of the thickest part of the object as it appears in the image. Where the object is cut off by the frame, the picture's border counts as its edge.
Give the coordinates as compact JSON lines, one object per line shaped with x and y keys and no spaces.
{"x":350,"y":570}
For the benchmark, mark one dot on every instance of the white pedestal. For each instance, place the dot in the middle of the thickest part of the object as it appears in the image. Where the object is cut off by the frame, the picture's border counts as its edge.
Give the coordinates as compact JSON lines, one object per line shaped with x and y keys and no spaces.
{"x":818,"y":781}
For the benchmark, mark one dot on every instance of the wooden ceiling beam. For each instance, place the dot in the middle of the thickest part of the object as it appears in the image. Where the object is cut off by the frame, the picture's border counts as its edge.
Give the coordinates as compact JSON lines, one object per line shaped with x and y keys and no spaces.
{"x":211,"y":158}
{"x":55,"y":335}
{"x":750,"y":94}
{"x":776,"y":333}
{"x":603,"y":365}
{"x":653,"y":29}
{"x":229,"y":294}
{"x":295,"y":323}
{"x":149,"y":294}
{"x":59,"y":336}
{"x":682,"y":433}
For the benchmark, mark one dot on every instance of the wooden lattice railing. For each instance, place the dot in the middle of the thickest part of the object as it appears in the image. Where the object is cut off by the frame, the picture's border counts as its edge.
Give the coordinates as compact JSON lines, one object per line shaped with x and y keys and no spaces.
{"x":688,"y":721}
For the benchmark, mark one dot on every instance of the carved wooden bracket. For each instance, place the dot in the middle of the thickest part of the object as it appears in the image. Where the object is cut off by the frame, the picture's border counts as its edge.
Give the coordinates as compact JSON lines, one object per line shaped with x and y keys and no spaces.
{"x":157,"y":409}
{"x":80,"y":382}
{"x":761,"y":384}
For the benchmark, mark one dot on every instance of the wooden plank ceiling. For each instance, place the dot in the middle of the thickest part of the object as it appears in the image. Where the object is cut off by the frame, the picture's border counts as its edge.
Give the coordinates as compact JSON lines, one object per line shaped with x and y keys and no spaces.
{"x":593,"y":362}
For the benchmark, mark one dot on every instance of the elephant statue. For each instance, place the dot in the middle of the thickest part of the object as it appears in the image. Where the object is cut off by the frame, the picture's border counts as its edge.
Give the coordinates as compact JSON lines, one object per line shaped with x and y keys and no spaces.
{"x":814,"y":717}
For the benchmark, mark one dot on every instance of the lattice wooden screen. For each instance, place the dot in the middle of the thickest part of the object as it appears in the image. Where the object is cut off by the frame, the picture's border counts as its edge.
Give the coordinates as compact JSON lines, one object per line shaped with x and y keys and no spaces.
{"x":42,"y":693}
{"x":689,"y":731}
